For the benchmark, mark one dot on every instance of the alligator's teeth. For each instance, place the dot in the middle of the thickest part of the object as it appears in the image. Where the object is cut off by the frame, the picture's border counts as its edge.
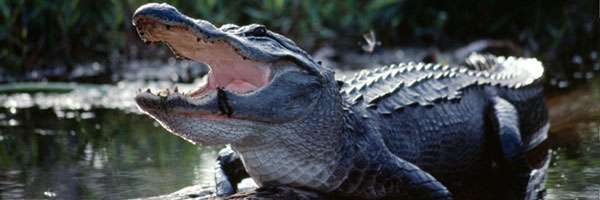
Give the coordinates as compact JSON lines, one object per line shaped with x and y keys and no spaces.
{"x":163,"y":93}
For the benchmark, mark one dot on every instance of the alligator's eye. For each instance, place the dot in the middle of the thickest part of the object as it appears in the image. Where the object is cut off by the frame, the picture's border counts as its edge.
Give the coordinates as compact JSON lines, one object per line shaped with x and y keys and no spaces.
{"x":259,"y":31}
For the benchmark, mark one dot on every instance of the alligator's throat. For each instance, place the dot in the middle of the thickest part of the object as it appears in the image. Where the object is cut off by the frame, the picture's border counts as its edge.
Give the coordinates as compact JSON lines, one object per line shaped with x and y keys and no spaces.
{"x":236,"y":75}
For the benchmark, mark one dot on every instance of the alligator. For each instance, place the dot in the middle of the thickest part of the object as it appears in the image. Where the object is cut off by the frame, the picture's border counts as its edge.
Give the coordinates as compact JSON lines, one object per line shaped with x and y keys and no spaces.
{"x":408,"y":130}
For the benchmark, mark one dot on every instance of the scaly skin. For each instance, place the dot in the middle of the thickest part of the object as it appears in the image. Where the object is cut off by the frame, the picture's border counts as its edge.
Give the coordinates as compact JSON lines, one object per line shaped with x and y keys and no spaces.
{"x":394,"y":132}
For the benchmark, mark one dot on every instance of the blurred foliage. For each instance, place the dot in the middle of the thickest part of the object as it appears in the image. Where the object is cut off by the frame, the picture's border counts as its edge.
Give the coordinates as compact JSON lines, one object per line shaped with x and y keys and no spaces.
{"x":39,"y":34}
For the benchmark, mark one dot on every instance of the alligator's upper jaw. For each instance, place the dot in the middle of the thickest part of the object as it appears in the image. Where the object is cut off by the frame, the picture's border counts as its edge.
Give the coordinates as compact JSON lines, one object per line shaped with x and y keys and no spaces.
{"x":230,"y":69}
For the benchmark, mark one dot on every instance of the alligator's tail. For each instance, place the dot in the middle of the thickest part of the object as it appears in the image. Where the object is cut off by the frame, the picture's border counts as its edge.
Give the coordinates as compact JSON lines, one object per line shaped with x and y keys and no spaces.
{"x":480,"y":62}
{"x":524,"y":74}
{"x":508,"y":71}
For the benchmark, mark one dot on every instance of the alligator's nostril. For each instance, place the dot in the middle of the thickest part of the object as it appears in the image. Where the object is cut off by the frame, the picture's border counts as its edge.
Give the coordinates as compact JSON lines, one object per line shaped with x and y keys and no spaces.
{"x":168,"y":27}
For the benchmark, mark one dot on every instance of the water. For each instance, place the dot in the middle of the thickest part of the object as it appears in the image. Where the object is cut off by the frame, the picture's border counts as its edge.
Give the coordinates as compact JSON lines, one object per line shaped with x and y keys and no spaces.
{"x":99,"y":153}
{"x":574,"y":137}
{"x":93,"y":143}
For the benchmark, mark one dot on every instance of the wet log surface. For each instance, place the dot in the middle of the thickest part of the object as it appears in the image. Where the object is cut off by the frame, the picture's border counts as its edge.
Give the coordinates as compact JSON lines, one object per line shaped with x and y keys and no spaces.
{"x":268,"y":193}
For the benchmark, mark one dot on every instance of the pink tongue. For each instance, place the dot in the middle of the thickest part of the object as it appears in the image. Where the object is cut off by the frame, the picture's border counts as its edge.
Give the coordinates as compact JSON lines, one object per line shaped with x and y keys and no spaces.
{"x":240,"y":86}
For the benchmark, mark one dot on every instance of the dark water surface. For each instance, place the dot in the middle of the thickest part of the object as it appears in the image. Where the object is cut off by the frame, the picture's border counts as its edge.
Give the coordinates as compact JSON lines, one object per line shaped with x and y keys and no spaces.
{"x":100,"y":153}
{"x":574,"y":138}
{"x":97,"y":152}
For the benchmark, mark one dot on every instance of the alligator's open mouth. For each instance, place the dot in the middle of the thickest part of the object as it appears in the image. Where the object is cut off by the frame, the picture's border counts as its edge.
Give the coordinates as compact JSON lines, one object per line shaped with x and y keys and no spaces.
{"x":230,"y":69}
{"x":255,"y":76}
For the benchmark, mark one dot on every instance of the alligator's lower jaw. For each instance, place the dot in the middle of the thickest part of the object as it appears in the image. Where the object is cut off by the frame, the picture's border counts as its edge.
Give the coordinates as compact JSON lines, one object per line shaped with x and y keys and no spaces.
{"x":244,"y":79}
{"x":206,"y":130}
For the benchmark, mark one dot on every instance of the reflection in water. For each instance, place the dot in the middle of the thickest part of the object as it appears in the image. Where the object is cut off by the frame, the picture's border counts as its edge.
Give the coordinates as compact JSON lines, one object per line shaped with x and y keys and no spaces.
{"x":110,"y":155}
{"x":95,"y":152}
{"x":574,"y":172}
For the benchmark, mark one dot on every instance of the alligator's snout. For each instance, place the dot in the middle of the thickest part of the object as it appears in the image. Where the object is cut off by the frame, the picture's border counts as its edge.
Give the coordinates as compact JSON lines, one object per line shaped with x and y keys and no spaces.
{"x":232,"y":70}
{"x":169,"y":15}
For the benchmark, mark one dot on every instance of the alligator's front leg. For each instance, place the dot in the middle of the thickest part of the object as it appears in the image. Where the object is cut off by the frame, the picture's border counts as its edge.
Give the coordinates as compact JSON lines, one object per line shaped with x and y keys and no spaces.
{"x":377,"y":173}
{"x":229,"y":171}
{"x":512,"y":160}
